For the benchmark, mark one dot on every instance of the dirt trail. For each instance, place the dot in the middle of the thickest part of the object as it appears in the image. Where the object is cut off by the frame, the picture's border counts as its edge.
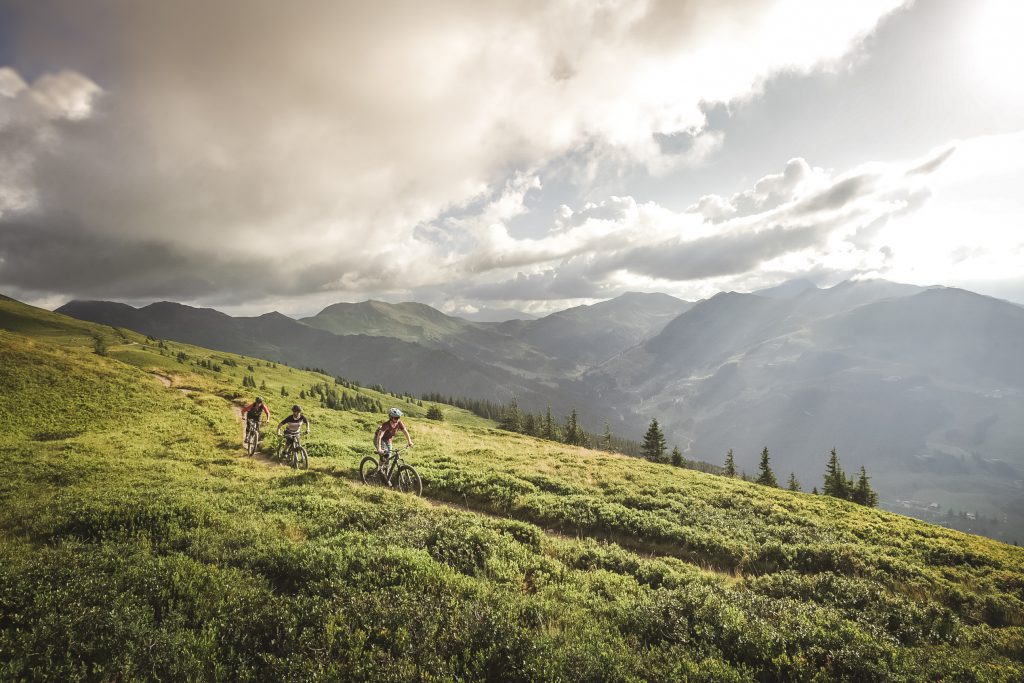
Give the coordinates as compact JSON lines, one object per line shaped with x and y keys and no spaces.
{"x":169,"y":383}
{"x":259,"y":457}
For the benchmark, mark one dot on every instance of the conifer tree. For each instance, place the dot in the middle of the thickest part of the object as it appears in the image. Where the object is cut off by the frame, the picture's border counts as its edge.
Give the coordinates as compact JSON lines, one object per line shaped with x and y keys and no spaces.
{"x":836,"y":483}
{"x":677,"y":457}
{"x":606,"y":439}
{"x":574,"y":436}
{"x":863,"y":493}
{"x":730,"y":464}
{"x":512,"y":420}
{"x":767,"y":477}
{"x":794,"y":485}
{"x":550,"y":430}
{"x":529,"y":424}
{"x":814,"y":491}
{"x":654,"y":443}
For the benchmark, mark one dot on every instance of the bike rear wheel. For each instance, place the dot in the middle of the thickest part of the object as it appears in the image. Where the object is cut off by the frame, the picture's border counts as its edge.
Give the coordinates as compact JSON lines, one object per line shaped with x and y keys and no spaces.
{"x":407,"y":480}
{"x":300,"y":460}
{"x":369,"y":472}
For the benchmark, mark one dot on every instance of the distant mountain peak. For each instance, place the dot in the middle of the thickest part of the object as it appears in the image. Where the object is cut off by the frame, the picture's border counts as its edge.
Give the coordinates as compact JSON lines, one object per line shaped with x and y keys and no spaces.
{"x":788,"y":289}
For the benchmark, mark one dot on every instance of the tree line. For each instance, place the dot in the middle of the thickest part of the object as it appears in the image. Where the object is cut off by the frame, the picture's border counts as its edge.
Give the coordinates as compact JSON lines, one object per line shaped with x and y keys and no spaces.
{"x":569,"y":430}
{"x":836,"y":483}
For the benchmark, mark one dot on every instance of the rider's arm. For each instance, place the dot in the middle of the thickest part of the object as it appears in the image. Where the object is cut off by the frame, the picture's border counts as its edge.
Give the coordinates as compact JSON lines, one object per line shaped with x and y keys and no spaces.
{"x":266,"y":411}
{"x":281,"y":424}
{"x":407,"y":437}
{"x":376,"y":439}
{"x":305,"y":421}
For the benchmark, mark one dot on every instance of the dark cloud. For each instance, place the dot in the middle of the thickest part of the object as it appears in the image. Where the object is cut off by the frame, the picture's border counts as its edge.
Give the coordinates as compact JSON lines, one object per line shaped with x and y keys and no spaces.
{"x":713,"y":256}
{"x":66,"y":259}
{"x":839,"y":194}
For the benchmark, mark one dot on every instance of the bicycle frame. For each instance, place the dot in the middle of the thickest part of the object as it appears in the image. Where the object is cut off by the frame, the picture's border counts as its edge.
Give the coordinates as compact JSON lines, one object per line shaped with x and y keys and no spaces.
{"x":395,"y":461}
{"x":290,"y":442}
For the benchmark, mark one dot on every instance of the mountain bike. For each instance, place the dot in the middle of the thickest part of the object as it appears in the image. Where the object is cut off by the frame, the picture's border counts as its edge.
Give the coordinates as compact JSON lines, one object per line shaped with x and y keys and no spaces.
{"x":395,"y":473}
{"x":293,"y":452}
{"x":252,"y":437}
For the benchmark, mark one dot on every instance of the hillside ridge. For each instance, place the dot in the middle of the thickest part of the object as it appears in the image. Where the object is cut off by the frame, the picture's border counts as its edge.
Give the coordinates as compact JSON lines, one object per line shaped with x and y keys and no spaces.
{"x":146,"y":512}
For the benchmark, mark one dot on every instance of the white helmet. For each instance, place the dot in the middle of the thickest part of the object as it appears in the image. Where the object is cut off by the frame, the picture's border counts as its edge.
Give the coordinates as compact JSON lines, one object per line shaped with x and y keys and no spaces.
{"x":394,"y":412}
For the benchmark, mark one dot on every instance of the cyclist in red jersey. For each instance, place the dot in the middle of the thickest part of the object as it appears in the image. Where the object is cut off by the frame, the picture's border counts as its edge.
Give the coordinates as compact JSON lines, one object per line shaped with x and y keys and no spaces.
{"x":386,"y":432}
{"x":255,"y":411}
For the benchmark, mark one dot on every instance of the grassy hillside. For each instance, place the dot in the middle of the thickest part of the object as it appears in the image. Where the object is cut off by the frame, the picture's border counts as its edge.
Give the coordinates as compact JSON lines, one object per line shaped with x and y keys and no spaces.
{"x":137,"y":541}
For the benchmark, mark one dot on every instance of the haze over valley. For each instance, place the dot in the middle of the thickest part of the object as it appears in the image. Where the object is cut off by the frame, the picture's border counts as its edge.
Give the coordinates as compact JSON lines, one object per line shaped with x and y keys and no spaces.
{"x":922,"y":386}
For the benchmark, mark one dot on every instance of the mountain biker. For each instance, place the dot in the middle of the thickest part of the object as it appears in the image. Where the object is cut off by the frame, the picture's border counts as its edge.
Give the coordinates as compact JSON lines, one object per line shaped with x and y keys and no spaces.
{"x":292,"y":424}
{"x":386,"y":432}
{"x":254,"y":413}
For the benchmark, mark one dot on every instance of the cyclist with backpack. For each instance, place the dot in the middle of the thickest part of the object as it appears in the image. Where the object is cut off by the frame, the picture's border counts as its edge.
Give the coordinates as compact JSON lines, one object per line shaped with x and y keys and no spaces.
{"x":386,"y":432}
{"x":254,"y":413}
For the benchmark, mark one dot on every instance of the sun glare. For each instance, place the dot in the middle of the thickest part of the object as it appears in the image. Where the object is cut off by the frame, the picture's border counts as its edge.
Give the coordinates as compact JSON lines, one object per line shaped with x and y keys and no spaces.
{"x":996,"y":45}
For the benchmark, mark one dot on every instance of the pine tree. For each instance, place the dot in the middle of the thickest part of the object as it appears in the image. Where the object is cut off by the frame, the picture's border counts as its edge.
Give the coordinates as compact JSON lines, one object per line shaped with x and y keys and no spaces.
{"x":677,"y":457}
{"x":863,"y":493}
{"x":574,"y":436}
{"x":814,"y":491}
{"x":606,"y":439}
{"x":263,"y":385}
{"x":767,"y":477}
{"x":434,"y":413}
{"x":836,"y":483}
{"x":550,"y":430}
{"x":529,"y":424}
{"x":730,"y":464}
{"x":512,"y":420}
{"x":654,"y":443}
{"x":794,"y":485}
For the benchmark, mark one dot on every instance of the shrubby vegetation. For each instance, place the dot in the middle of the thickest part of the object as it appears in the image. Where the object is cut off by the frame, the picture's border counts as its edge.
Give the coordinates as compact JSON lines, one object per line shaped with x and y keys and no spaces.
{"x":138,"y":543}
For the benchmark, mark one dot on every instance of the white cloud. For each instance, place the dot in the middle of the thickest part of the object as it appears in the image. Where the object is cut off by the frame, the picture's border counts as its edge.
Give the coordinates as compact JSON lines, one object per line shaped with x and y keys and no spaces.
{"x":803,"y":221}
{"x":31,"y":121}
{"x":330,"y":137}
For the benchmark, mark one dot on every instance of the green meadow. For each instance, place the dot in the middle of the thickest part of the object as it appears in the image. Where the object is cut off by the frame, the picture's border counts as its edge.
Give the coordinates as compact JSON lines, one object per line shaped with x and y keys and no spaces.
{"x":139,"y":542}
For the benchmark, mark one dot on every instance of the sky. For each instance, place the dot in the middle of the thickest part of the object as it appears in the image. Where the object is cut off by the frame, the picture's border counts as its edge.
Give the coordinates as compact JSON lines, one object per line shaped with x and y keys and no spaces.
{"x":482,"y":155}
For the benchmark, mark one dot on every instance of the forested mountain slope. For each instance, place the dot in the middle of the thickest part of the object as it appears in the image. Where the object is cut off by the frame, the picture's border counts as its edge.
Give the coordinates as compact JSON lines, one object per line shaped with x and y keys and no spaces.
{"x":926,"y":390}
{"x":394,"y":363}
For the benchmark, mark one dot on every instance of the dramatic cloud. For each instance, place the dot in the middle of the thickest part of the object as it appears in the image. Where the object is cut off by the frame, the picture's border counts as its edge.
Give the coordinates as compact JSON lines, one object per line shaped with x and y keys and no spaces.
{"x":321,"y":147}
{"x":804,"y":221}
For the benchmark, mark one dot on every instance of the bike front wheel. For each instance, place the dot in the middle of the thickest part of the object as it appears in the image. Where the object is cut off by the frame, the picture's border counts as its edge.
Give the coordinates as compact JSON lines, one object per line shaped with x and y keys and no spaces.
{"x":407,"y":480}
{"x":369,"y":472}
{"x":300,"y":460}
{"x":252,"y":440}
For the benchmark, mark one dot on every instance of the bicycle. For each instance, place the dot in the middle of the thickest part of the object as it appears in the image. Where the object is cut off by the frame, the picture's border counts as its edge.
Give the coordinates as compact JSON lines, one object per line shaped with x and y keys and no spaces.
{"x":251,"y":442}
{"x":396,"y":474}
{"x":293,"y":452}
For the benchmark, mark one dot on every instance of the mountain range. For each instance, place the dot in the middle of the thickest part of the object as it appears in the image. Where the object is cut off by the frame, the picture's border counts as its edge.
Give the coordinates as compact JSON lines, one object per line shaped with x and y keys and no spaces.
{"x":923,"y":386}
